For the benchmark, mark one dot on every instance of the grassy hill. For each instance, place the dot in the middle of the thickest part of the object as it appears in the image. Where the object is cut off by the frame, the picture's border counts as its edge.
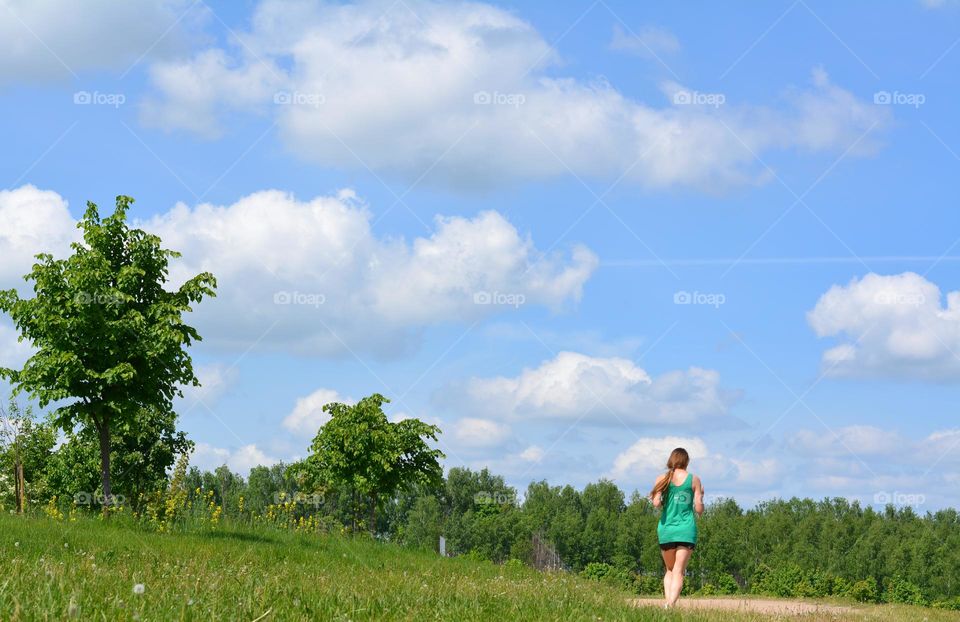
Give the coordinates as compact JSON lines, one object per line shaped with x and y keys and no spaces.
{"x":88,"y":569}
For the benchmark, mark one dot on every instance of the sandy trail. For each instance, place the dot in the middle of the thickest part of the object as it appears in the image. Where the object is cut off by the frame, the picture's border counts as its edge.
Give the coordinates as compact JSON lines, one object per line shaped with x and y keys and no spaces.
{"x":751,"y":605}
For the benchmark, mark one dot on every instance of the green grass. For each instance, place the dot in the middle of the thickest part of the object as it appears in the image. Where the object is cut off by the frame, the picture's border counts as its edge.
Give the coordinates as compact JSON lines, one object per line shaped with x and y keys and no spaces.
{"x":87,"y":569}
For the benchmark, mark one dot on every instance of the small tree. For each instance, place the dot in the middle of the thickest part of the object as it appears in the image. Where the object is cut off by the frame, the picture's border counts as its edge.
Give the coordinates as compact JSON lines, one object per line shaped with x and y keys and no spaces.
{"x":108,"y":336}
{"x":361,"y":450}
{"x":25,"y":448}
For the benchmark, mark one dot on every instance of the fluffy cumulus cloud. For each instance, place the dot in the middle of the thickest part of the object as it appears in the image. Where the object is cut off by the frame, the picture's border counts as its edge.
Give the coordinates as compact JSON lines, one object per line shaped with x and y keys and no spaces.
{"x":215,"y":379}
{"x":646,"y":458}
{"x":49,"y":39}
{"x":897,"y":326}
{"x":473,"y":432}
{"x":32,"y":221}
{"x":312,"y":276}
{"x":574,"y":385}
{"x":439,"y":89}
{"x":240,"y":460}
{"x":307,"y":416}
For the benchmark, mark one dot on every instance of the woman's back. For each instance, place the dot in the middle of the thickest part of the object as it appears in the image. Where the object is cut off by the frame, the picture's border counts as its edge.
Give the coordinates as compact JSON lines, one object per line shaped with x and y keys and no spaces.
{"x":677,"y":523}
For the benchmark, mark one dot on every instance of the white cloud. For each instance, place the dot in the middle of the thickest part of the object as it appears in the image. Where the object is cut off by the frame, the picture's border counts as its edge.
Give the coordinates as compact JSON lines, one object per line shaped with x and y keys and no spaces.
{"x":49,"y":39}
{"x":32,"y":221}
{"x":572,"y":385}
{"x":649,"y":41}
{"x":313,"y":277}
{"x":646,"y":458}
{"x":863,"y":440}
{"x":215,"y":379}
{"x":459,"y":92}
{"x":307,"y":416}
{"x":533,"y":453}
{"x":474,"y":432}
{"x":890,"y":326}
{"x":240,"y":460}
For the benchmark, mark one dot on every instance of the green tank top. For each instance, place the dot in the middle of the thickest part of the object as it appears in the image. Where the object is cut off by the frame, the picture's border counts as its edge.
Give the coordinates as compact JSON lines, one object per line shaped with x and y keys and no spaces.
{"x":677,"y":521}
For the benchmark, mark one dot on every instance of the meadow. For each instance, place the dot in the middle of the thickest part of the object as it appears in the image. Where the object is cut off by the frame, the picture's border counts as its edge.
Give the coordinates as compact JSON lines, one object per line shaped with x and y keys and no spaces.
{"x":90,"y":569}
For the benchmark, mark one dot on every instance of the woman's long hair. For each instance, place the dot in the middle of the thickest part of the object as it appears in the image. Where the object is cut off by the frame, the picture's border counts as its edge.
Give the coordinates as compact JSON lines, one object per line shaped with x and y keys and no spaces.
{"x":679,"y":459}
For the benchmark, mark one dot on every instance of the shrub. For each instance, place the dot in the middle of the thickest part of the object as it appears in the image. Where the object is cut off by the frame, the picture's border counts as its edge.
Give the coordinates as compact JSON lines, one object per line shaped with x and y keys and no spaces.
{"x":899,"y":590}
{"x":865,"y":590}
{"x":648,"y":584}
{"x":599,"y":571}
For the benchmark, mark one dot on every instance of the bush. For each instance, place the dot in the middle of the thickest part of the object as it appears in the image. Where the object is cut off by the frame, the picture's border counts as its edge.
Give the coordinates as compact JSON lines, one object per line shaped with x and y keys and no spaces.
{"x":865,"y":590}
{"x":952,"y":604}
{"x":513,"y":563}
{"x":596,"y":570}
{"x":599,"y":571}
{"x":726,"y":584}
{"x":901,"y":591}
{"x":648,"y":584}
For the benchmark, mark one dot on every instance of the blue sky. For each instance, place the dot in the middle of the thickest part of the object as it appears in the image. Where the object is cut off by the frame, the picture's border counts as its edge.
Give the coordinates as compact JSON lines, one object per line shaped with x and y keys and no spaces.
{"x":723,"y":227}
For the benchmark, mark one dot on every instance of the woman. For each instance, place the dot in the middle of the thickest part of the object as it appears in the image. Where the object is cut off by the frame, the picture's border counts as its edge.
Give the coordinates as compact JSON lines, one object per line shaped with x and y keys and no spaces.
{"x":680,"y":495}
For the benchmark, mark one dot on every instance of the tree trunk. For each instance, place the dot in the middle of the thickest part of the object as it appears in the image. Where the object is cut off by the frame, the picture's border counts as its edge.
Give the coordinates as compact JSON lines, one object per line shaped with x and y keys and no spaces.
{"x":19,"y":488}
{"x":373,"y":514}
{"x":104,"y":431}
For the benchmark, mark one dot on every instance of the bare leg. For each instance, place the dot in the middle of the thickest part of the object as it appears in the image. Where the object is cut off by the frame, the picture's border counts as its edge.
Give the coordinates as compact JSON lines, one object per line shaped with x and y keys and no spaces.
{"x":683,"y":555}
{"x":669,"y":559}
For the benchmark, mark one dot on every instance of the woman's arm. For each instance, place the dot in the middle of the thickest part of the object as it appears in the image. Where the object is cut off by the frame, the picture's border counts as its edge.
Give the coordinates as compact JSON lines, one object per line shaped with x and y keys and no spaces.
{"x":697,"y":495}
{"x":658,"y":498}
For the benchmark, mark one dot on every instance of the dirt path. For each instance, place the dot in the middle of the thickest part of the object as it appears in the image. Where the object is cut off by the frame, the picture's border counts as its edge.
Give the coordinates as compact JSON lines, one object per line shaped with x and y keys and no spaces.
{"x":751,"y":605}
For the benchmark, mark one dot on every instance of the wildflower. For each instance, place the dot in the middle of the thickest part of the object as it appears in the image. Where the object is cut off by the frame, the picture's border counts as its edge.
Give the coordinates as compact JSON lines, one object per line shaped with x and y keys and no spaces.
{"x":139,"y":588}
{"x":16,"y":544}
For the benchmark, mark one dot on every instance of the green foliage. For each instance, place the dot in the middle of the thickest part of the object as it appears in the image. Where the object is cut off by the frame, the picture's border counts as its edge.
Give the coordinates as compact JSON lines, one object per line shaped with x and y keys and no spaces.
{"x":361,"y":450}
{"x":25,"y":440}
{"x":599,"y":571}
{"x":899,"y":590}
{"x":140,"y":455}
{"x":865,"y":591}
{"x":424,"y":524}
{"x":109,"y":338}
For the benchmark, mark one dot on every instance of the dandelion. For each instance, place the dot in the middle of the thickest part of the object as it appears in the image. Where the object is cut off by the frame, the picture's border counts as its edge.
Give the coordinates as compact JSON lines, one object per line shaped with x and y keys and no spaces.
{"x":16,"y":544}
{"x":139,"y":588}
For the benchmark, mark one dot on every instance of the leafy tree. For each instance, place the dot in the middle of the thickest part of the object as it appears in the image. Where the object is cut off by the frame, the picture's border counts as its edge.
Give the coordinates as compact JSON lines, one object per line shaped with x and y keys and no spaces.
{"x":361,"y":450}
{"x":25,"y":446}
{"x":424,"y":524}
{"x":141,"y":454}
{"x":108,"y":335}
